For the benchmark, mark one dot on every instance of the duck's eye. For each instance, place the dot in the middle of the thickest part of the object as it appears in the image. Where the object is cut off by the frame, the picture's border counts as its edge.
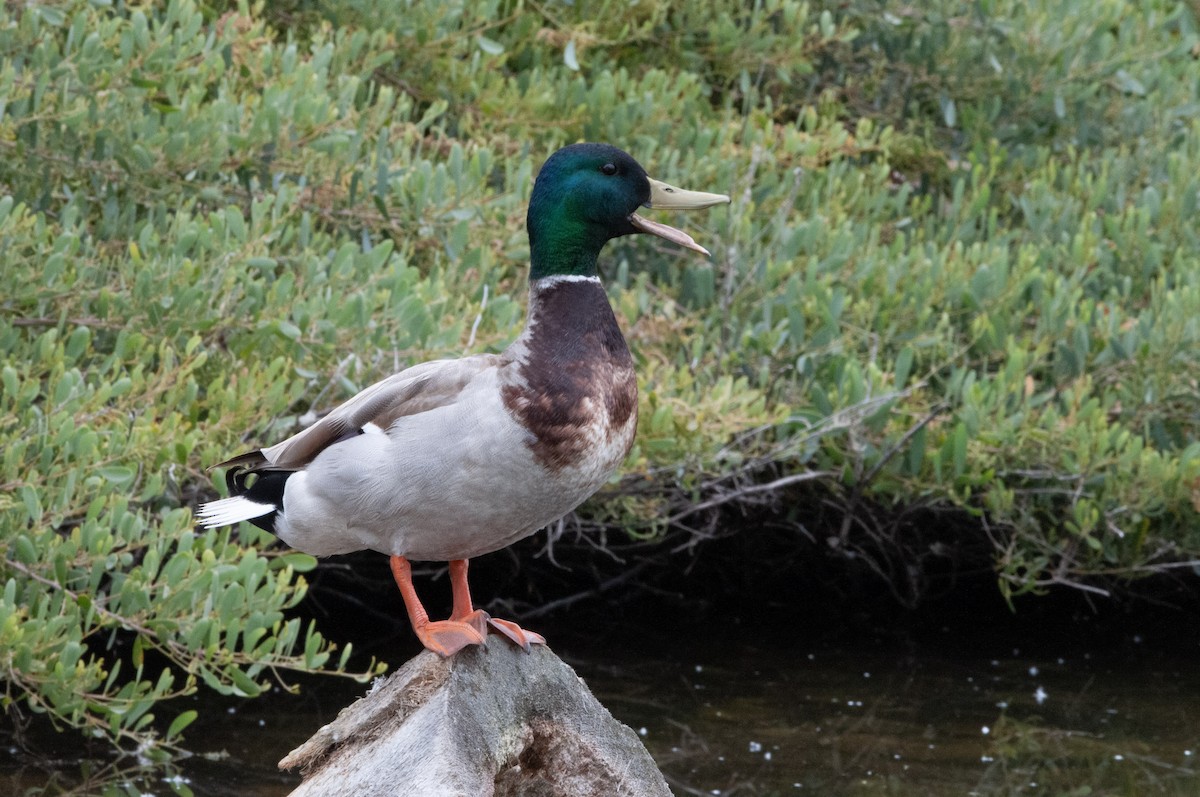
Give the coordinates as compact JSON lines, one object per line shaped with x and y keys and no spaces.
{"x":609,"y":168}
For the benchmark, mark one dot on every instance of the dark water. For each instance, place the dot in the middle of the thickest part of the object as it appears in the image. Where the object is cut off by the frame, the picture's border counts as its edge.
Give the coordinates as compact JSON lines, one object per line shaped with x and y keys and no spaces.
{"x":739,"y":717}
{"x":872,"y":721}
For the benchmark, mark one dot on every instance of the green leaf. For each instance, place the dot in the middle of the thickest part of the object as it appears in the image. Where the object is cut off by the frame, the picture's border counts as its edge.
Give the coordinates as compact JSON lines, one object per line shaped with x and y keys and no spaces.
{"x":181,"y":722}
{"x":299,"y":562}
{"x":915,"y":457}
{"x":51,"y":15}
{"x":949,"y":110}
{"x":33,"y":504}
{"x":119,"y":475}
{"x":246,"y":685}
{"x":903,"y":365}
{"x":960,"y":449}
{"x":1129,"y":84}
{"x":288,"y":329}
{"x":569,"y":57}
{"x":332,"y":143}
{"x":26,"y":552}
{"x":10,"y":381}
{"x":489,"y":46}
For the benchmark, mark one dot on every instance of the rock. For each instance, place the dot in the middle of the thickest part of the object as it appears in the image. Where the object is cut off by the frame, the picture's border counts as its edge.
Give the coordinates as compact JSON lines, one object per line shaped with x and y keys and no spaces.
{"x":491,"y":720}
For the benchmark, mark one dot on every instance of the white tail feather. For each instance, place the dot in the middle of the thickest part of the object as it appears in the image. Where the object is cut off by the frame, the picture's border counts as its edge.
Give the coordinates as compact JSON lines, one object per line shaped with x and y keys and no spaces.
{"x":228,"y":511}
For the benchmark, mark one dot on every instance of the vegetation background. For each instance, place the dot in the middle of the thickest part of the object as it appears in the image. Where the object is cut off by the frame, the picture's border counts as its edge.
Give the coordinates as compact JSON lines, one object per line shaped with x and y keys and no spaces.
{"x":954,"y":307}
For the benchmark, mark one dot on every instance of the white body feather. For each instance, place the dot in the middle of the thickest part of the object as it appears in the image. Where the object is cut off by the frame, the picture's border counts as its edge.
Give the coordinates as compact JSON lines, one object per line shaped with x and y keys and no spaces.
{"x":453,"y":482}
{"x":442,"y":470}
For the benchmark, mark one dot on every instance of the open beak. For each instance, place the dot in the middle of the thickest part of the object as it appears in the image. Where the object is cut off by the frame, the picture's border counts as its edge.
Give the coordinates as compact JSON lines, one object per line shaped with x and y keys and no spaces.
{"x":670,"y":198}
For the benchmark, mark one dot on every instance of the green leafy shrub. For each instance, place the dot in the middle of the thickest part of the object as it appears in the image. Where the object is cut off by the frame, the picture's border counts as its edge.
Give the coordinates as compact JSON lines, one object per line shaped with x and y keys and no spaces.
{"x":959,"y":269}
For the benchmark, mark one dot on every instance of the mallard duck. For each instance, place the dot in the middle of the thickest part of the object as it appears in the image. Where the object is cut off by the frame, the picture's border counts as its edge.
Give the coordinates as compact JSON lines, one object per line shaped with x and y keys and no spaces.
{"x":456,"y":458}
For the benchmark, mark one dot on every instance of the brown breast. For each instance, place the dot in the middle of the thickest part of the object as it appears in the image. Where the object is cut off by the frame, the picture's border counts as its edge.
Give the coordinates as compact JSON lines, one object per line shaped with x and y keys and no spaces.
{"x":574,"y":389}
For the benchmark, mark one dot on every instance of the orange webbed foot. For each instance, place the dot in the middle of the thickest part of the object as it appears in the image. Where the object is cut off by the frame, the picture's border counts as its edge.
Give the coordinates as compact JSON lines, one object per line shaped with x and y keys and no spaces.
{"x":477,"y":619}
{"x":516,"y":634}
{"x":447,"y":637}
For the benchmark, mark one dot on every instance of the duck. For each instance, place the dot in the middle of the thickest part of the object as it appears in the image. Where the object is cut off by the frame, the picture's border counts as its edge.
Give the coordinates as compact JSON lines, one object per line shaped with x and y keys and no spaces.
{"x":452,"y":459}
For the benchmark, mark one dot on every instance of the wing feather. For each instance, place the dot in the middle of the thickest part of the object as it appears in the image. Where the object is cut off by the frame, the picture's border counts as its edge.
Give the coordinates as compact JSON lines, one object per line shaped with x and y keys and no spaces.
{"x":412,"y":391}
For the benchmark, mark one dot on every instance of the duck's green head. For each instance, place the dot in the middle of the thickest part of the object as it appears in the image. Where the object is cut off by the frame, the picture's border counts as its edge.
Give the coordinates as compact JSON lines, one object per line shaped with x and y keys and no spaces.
{"x":587,"y":194}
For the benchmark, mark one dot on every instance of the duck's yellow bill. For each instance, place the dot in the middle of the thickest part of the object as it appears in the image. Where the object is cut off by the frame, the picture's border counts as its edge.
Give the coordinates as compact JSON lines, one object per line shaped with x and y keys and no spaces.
{"x":666,"y":231}
{"x":668,"y":197}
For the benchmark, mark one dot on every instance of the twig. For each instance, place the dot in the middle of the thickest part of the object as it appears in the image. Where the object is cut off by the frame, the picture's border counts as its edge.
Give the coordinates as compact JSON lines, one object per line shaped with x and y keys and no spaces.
{"x":903,"y":441}
{"x":478,"y":317}
{"x":1079,"y":585}
{"x":865,"y":479}
{"x":601,"y":588}
{"x":46,"y":321}
{"x":779,"y":483}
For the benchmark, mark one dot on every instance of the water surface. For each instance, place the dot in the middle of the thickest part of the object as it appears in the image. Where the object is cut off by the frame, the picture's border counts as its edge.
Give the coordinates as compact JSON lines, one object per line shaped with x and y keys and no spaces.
{"x":743,"y":718}
{"x":880,"y":721}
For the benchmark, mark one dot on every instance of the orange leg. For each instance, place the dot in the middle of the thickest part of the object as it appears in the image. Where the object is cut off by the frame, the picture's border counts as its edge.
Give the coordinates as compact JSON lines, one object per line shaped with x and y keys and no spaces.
{"x":464,"y":612}
{"x":444,"y":637}
{"x":479,"y":619}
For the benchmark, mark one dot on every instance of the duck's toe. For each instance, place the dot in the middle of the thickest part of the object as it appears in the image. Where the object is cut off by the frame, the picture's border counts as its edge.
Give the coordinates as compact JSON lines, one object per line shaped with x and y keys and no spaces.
{"x":518,"y":635}
{"x":447,"y":637}
{"x":477,"y":619}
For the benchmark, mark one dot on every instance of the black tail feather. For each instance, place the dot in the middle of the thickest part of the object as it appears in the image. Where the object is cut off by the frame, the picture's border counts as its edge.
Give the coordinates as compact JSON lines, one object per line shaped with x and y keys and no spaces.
{"x":267,"y":488}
